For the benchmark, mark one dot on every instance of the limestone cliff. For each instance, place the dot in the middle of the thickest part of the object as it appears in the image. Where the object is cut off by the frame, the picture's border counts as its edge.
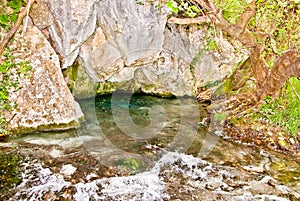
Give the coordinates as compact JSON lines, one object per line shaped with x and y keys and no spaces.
{"x":103,"y":46}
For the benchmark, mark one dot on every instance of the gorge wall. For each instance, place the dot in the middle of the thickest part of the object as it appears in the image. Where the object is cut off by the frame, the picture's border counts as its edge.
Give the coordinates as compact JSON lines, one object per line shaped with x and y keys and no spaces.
{"x":99,"y":46}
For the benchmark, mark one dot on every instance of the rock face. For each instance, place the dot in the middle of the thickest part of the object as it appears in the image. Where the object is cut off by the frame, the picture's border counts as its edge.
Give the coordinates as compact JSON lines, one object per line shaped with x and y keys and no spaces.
{"x":44,"y":100}
{"x":108,"y":45}
{"x":122,"y":45}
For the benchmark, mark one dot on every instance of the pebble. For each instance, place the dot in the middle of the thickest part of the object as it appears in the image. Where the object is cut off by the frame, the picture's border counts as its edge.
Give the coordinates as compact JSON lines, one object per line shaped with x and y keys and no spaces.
{"x":68,"y":170}
{"x":292,"y":141}
{"x":252,"y":168}
{"x":55,"y":153}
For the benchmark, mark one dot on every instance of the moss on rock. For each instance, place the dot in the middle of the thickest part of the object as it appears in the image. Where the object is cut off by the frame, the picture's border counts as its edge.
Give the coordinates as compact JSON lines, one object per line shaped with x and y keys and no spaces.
{"x":10,"y":171}
{"x":105,"y":88}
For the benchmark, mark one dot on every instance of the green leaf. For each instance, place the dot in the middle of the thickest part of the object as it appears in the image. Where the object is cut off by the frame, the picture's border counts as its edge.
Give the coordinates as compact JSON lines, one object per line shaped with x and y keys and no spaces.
{"x":212,"y":45}
{"x":4,"y":19}
{"x":3,"y":96}
{"x":14,"y":17}
{"x":15,"y":5}
{"x":191,"y":14}
{"x":3,"y":69}
{"x":195,"y":9}
{"x":172,"y":6}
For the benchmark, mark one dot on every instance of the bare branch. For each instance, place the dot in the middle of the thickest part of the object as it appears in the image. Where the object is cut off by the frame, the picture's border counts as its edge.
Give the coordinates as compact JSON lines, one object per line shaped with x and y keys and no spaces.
{"x":245,"y":18}
{"x":13,"y":30}
{"x":197,"y":20}
{"x":26,"y":19}
{"x":208,"y":5}
{"x":273,"y":25}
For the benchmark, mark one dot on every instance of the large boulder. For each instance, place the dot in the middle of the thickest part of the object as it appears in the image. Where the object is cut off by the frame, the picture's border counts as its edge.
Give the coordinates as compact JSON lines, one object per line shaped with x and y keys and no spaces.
{"x":44,"y":100}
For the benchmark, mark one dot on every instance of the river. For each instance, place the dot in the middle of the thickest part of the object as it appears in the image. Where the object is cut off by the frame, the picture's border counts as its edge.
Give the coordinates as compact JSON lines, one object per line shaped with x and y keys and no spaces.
{"x":138,"y":147}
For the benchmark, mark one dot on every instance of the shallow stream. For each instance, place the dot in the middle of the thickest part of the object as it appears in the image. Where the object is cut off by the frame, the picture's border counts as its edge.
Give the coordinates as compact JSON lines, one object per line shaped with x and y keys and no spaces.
{"x":135,"y":147}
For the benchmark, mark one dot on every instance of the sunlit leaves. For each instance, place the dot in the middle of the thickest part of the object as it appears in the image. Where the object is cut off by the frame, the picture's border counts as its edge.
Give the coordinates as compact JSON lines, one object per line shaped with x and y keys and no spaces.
{"x":172,"y":6}
{"x":9,"y":15}
{"x":184,"y":7}
{"x":16,"y":4}
{"x":284,"y":111}
{"x":231,"y":9}
{"x":279,"y":21}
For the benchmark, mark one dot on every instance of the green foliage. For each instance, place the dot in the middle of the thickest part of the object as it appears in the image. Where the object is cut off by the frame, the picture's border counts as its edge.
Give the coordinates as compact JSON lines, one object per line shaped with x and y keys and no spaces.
{"x":10,"y":72}
{"x":16,"y":4}
{"x":10,"y":171}
{"x":220,"y":116}
{"x":129,"y":164}
{"x":210,"y":42}
{"x":231,"y":9}
{"x":212,"y":45}
{"x":280,"y":20}
{"x":10,"y":14}
{"x":284,"y":111}
{"x":184,"y":7}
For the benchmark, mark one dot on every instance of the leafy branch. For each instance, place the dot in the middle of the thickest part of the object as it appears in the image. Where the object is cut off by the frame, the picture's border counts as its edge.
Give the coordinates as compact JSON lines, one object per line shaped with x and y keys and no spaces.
{"x":16,"y":26}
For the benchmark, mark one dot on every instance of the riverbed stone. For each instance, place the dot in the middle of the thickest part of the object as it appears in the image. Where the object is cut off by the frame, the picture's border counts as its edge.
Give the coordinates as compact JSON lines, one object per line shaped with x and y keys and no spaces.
{"x":44,"y":101}
{"x":68,"y":170}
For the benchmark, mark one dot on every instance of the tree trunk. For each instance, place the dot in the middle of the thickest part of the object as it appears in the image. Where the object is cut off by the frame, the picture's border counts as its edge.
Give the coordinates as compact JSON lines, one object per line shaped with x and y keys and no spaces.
{"x":286,"y":66}
{"x":259,"y":67}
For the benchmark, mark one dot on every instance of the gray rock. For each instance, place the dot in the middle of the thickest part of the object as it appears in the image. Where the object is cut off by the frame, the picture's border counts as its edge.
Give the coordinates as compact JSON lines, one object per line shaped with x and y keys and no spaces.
{"x":68,"y":170}
{"x":75,"y":22}
{"x":117,"y":44}
{"x":44,"y":100}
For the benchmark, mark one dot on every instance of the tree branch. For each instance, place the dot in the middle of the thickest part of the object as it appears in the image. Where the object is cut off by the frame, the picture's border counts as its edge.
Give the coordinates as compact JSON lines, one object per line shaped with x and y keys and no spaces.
{"x":13,"y":30}
{"x":245,"y":17}
{"x":197,"y":20}
{"x":208,"y":5}
{"x":213,"y":15}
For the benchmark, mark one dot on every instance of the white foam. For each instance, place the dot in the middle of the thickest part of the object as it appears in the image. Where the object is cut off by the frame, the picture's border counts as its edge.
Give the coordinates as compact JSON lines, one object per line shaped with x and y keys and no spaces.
{"x":41,"y":181}
{"x":146,"y":186}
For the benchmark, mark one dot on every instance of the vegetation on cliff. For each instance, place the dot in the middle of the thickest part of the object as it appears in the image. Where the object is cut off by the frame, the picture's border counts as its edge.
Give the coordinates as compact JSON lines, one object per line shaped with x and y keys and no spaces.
{"x":11,"y":70}
{"x":264,"y":88}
